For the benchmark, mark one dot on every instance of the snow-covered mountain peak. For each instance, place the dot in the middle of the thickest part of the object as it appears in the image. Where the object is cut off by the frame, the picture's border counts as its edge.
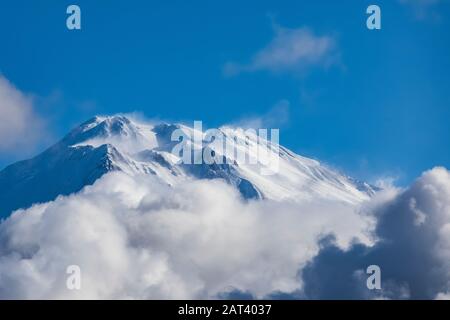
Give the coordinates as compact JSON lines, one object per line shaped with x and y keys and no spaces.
{"x":118,"y":143}
{"x":126,"y":135}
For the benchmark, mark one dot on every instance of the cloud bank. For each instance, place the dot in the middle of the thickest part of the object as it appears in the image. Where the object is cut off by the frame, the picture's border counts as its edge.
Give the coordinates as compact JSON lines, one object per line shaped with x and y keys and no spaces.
{"x":135,"y":238}
{"x":292,"y":50}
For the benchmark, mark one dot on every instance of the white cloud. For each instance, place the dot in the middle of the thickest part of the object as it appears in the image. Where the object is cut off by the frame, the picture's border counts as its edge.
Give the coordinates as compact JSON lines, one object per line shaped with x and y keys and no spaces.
{"x":20,"y":124}
{"x":291,"y":50}
{"x":134,"y":238}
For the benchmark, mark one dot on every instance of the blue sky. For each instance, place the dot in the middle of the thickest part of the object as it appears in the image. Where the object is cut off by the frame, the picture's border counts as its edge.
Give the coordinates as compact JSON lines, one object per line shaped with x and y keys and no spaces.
{"x":372,"y":103}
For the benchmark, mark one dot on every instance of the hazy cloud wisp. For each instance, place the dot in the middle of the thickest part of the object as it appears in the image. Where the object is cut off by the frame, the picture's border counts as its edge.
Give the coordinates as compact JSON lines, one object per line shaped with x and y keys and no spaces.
{"x":291,"y":50}
{"x":20,"y":125}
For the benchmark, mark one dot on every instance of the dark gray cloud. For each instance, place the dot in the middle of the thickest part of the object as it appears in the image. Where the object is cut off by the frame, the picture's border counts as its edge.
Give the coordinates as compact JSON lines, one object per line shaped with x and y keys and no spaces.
{"x":413,"y":250}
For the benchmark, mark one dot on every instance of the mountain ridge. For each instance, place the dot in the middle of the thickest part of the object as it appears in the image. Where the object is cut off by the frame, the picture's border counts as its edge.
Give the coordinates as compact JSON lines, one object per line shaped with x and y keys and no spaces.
{"x":117,"y":143}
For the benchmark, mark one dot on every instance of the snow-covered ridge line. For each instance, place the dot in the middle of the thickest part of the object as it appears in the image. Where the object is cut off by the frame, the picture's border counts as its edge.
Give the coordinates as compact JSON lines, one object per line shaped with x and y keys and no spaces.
{"x":118,"y":143}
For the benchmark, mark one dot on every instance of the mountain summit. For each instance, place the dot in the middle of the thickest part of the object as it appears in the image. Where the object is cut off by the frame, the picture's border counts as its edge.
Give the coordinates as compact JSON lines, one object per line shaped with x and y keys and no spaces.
{"x":118,"y":143}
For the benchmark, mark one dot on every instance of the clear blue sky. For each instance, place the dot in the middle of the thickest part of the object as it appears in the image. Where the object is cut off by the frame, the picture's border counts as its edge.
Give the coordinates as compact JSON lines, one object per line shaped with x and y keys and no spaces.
{"x":381,"y":107}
